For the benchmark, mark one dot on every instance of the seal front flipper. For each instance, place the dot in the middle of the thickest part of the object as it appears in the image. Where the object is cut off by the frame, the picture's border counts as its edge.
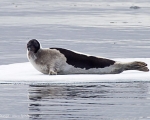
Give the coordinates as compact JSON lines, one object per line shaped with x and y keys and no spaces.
{"x":52,"y":72}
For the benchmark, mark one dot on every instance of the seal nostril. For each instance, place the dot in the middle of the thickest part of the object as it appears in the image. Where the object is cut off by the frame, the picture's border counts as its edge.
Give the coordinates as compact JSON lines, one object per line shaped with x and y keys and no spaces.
{"x":29,"y":49}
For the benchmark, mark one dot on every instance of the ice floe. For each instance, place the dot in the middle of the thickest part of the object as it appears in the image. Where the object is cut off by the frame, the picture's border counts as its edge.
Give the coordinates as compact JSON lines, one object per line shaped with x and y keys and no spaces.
{"x":25,"y":73}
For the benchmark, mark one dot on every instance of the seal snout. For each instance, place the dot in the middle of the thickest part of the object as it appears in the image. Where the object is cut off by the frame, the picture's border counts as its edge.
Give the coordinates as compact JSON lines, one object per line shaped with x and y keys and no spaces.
{"x":30,"y":48}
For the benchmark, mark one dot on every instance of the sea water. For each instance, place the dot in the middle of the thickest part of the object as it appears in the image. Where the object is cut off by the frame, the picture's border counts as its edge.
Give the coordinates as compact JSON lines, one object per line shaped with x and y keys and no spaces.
{"x":91,"y":101}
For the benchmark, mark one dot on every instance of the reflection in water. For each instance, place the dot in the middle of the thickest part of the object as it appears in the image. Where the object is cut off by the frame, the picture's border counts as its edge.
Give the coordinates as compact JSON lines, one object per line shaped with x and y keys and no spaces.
{"x":89,"y":101}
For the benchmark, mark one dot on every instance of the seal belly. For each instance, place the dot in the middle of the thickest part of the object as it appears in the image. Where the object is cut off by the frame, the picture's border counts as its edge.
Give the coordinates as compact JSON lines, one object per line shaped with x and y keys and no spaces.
{"x":69,"y":69}
{"x":40,"y":67}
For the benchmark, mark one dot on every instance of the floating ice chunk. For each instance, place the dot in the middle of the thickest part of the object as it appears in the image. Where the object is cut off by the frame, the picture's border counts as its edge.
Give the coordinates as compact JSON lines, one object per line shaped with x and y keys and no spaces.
{"x":25,"y":73}
{"x":134,"y":7}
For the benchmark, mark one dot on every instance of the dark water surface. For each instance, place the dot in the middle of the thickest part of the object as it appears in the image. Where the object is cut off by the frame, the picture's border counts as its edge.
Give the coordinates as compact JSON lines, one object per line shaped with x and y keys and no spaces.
{"x":91,"y":101}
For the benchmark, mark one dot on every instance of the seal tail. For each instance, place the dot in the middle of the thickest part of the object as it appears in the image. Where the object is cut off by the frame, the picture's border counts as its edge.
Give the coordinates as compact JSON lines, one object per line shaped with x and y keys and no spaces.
{"x":137,"y":65}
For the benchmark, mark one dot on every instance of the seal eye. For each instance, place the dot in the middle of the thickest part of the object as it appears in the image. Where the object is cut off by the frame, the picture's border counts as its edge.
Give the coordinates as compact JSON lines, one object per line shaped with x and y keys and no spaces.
{"x":35,"y":44}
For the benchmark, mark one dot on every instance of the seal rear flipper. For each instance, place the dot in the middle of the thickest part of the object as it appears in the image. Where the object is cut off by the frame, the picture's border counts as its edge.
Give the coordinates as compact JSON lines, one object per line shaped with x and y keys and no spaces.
{"x":137,"y":65}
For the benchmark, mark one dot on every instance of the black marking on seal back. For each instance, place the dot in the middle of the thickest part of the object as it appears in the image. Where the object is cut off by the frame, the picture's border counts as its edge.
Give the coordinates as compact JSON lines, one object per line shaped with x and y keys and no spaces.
{"x":83,"y":61}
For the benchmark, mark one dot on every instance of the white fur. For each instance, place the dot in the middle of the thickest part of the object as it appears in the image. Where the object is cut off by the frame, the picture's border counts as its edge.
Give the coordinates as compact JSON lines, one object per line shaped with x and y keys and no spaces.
{"x":69,"y":69}
{"x":32,"y":57}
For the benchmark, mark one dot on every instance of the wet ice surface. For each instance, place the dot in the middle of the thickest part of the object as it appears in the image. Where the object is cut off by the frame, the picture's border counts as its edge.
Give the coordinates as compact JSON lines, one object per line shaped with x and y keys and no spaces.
{"x":105,"y":28}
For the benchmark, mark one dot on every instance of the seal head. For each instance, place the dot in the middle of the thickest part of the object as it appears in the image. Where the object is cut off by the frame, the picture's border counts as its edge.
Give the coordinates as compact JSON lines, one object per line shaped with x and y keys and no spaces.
{"x":33,"y":45}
